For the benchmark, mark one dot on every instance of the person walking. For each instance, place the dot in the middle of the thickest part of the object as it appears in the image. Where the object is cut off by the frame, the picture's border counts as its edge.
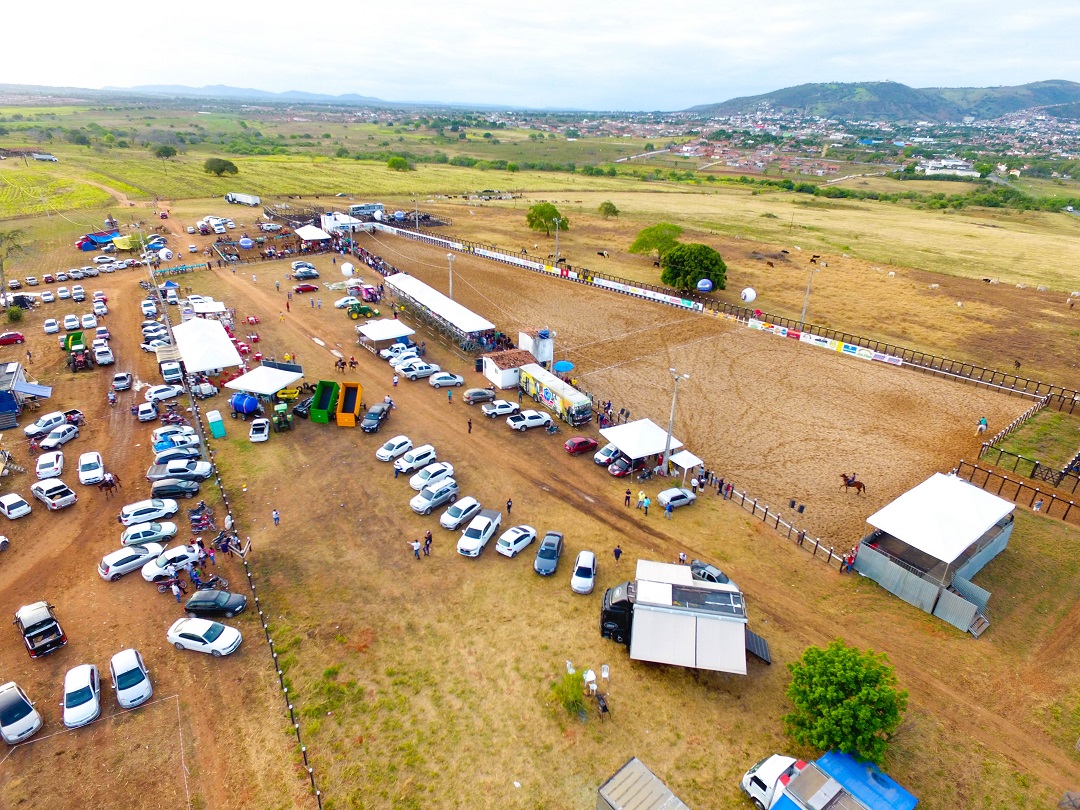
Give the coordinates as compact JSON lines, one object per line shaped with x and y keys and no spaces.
{"x":176,"y":591}
{"x":427,"y":543}
{"x":640,"y":498}
{"x":618,"y":553}
{"x":509,"y":506}
{"x":29,"y":357}
{"x":449,"y":397}
{"x":519,"y":396}
{"x":694,"y":485}
{"x":470,"y":426}
{"x":277,"y":286}
{"x":668,"y":510}
{"x":720,"y":486}
{"x":415,"y":547}
{"x":288,"y":306}
{"x":320,"y":304}
{"x":281,"y":316}
{"x":648,"y":503}
{"x":626,"y":497}
{"x":277,"y":517}
{"x":395,"y":380}
{"x":312,"y":300}
{"x":253,"y":279}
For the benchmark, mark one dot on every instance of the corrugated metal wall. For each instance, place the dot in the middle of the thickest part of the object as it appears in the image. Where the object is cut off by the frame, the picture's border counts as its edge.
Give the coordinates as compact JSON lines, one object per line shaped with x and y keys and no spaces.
{"x":956,"y":610}
{"x":896,"y":580}
{"x":985,"y":555}
{"x":972,"y":592}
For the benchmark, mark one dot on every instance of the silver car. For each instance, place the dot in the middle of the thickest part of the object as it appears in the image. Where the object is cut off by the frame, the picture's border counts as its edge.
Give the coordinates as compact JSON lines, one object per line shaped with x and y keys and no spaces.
{"x":434,"y":495}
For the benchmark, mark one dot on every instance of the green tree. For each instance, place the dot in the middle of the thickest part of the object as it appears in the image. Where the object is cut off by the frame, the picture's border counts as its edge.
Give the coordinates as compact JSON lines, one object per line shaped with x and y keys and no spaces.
{"x":845,"y":700}
{"x":163,"y":152}
{"x":683,"y":266}
{"x":11,"y":244}
{"x":219,"y":166}
{"x":397,"y":164}
{"x":661,"y":238}
{"x":607,"y":209}
{"x":512,"y":167}
{"x":14,"y":314}
{"x":543,"y":216}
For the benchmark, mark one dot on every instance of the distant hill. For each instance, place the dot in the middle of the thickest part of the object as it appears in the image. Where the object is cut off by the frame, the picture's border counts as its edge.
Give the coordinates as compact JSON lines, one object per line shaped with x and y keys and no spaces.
{"x":223,"y":91}
{"x":892,"y":101}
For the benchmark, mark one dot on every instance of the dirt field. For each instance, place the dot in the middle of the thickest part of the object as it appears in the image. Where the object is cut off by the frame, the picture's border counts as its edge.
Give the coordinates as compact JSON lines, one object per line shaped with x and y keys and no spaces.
{"x":422,"y":682}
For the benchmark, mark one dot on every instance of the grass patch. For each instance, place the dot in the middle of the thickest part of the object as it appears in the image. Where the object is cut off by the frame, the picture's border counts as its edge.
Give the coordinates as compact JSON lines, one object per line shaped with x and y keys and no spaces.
{"x":1050,"y":437}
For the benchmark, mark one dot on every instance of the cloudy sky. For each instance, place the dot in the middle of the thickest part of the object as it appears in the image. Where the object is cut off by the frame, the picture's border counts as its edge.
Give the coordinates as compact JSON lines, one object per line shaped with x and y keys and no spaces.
{"x":588,"y":54}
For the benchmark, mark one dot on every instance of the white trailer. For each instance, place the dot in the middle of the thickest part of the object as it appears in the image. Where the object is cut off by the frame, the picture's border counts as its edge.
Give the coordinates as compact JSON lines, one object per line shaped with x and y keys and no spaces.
{"x":243,"y":199}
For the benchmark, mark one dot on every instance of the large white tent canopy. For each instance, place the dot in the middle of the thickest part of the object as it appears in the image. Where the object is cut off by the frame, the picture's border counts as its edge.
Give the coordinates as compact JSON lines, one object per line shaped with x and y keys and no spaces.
{"x":205,"y":345}
{"x":264,"y":380}
{"x":465,"y":320}
{"x":385,"y":329}
{"x":942,"y":516}
{"x":639,"y":439}
{"x":309,"y":233}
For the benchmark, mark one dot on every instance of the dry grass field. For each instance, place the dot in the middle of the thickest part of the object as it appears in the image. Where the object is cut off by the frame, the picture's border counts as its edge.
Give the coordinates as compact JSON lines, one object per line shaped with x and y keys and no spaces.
{"x":426,"y":684}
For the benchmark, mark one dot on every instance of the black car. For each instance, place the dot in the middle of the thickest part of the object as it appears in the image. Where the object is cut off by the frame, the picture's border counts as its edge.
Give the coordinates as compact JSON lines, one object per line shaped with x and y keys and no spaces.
{"x":305,"y":273}
{"x":303,"y":407}
{"x":210,"y":604}
{"x":548,"y":554}
{"x":174,"y":488}
{"x":375,"y":417}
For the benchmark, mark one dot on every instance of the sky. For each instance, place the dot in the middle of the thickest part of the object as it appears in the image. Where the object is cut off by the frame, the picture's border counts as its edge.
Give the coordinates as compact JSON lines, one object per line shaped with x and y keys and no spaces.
{"x":563,"y":54}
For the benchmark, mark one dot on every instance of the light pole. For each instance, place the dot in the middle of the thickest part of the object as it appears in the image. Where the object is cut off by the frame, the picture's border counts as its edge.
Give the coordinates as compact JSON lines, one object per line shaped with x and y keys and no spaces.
{"x":556,"y":240}
{"x":671,"y":420}
{"x":450,"y":259}
{"x":806,"y":299}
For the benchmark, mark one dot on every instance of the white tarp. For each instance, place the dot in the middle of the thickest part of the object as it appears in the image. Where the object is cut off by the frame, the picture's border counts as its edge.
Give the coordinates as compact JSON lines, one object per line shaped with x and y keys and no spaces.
{"x":207,"y":307}
{"x":205,"y":345}
{"x":264,"y":380}
{"x":465,"y":320}
{"x":309,"y":233}
{"x":942,"y":516}
{"x":385,"y":329}
{"x":639,"y":439}
{"x":685,"y":460}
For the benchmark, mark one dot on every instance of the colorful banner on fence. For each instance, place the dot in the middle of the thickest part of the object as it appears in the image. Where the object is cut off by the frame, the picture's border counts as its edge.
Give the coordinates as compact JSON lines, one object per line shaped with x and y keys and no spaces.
{"x":849,"y":349}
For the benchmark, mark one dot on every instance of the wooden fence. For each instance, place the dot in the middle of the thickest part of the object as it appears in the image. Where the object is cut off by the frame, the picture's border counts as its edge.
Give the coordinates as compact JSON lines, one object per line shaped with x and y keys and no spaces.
{"x":1018,"y":491}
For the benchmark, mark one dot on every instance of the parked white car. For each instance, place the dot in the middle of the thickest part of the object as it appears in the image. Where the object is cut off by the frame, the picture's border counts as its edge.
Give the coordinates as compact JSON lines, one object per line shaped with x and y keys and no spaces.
{"x":477,"y":534}
{"x":82,"y":696}
{"x":151,"y":532}
{"x":205,"y":636}
{"x":465,"y":509}
{"x":432,"y":474}
{"x":89,"y":321}
{"x":51,"y":326}
{"x":60,"y":436}
{"x":171,"y":430}
{"x":444,"y":379}
{"x":13,"y":506}
{"x":91,"y":468}
{"x":583,"y":580}
{"x":415,"y":459}
{"x":125,"y":560}
{"x":260,"y":430}
{"x":499,"y":407}
{"x":393,"y":448}
{"x":50,"y":465}
{"x":19,"y":720}
{"x":150,"y":510}
{"x":156,"y":569}
{"x":606,"y":455}
{"x":515,"y":540}
{"x":676,"y":496}
{"x":159,"y":393}
{"x":130,"y":679}
{"x":528,"y":419}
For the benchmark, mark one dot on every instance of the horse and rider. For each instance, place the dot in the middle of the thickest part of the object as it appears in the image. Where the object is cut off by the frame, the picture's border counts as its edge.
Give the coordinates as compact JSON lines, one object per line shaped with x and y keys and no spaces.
{"x":850,"y":482}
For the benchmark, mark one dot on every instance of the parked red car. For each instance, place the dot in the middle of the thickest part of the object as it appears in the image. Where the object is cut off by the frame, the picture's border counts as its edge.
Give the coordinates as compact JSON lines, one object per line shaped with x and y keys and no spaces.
{"x":303,"y":288}
{"x":579,"y":444}
{"x":8,"y":338}
{"x":624,"y":466}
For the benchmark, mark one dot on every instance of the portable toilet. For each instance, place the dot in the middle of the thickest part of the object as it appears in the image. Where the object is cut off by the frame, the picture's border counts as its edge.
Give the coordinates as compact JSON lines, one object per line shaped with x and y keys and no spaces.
{"x":216,"y":423}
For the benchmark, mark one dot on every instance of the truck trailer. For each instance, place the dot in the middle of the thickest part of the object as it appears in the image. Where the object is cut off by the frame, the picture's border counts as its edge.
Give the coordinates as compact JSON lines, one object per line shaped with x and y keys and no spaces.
{"x":835,"y":782}
{"x":243,"y":199}
{"x":558,"y":396}
{"x":668,"y":617}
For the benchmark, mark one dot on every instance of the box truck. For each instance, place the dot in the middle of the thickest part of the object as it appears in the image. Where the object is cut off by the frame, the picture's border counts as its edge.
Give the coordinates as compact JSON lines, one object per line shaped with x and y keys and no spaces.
{"x":242,"y":199}
{"x":556,"y":395}
{"x":835,"y":782}
{"x":668,"y":617}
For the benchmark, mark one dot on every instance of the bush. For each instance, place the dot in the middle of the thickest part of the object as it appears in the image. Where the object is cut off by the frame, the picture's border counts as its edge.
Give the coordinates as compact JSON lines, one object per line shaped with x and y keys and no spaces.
{"x":569,"y":690}
{"x":398,"y":164}
{"x":14,"y":314}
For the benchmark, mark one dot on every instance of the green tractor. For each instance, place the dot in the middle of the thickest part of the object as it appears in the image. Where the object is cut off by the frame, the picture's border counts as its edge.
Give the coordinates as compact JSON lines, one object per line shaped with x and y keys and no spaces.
{"x":283,"y":420}
{"x":356,"y":310}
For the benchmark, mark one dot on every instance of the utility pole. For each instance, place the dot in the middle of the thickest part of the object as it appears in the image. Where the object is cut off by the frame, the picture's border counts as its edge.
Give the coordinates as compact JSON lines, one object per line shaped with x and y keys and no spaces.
{"x":806,"y":298}
{"x":671,"y":419}
{"x":450,"y":259}
{"x":556,"y":240}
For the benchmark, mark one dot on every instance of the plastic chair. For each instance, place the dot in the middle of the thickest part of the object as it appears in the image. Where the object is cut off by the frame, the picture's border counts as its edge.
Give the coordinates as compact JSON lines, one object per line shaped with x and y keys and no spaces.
{"x":605,"y":673}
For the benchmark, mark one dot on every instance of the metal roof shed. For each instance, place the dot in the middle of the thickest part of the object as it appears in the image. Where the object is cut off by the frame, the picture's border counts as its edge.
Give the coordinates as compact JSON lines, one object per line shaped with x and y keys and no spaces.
{"x":635,"y":787}
{"x":445,"y":309}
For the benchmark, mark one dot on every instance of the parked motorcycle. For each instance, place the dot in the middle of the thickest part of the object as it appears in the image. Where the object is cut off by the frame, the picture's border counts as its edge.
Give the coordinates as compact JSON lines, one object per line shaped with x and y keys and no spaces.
{"x":215,"y":582}
{"x":166,"y":585}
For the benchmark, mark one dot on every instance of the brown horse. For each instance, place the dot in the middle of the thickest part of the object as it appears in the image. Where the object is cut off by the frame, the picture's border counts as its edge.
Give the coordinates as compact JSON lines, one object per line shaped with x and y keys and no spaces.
{"x":849,"y":482}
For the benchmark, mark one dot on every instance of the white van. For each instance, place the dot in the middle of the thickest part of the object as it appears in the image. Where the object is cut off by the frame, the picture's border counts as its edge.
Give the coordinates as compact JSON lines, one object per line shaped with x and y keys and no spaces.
{"x":171,"y":372}
{"x":149,"y":309}
{"x":172,"y":298}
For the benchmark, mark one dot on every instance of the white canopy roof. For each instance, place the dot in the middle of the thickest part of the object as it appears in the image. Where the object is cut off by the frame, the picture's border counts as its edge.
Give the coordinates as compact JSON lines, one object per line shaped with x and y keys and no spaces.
{"x":385,"y":329}
{"x":451,"y":311}
{"x":264,"y":380}
{"x":685,"y":459}
{"x":205,"y":345}
{"x":309,"y":233}
{"x":639,"y":439}
{"x":207,"y":307}
{"x":942,"y":516}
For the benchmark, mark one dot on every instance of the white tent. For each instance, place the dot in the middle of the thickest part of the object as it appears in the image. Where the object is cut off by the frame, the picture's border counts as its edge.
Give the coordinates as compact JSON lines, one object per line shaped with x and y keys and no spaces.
{"x":207,"y":307}
{"x":309,"y":233}
{"x":465,"y":320}
{"x":264,"y":380}
{"x":942,"y":516}
{"x":639,"y":439}
{"x":385,"y":329}
{"x":205,"y":345}
{"x":685,"y":460}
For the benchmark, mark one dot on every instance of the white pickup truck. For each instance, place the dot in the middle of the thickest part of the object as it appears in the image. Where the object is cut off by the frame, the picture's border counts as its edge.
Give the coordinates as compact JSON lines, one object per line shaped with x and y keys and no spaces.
{"x":54,"y":493}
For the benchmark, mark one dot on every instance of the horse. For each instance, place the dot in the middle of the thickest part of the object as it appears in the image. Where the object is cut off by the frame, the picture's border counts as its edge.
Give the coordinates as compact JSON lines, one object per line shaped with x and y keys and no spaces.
{"x":850,"y":482}
{"x":108,"y":486}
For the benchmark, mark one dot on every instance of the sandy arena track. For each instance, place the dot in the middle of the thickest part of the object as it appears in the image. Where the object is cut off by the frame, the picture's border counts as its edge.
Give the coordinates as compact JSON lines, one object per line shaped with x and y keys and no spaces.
{"x":778,"y":418}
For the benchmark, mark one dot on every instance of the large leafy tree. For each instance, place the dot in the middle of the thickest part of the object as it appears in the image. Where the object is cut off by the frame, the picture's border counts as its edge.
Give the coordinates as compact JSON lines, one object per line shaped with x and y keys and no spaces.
{"x":163,"y":152}
{"x":846,"y":700}
{"x":683,"y":266}
{"x":11,"y":244}
{"x":658,"y":238}
{"x":543,"y":216}
{"x":607,"y":209}
{"x":220,"y":166}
